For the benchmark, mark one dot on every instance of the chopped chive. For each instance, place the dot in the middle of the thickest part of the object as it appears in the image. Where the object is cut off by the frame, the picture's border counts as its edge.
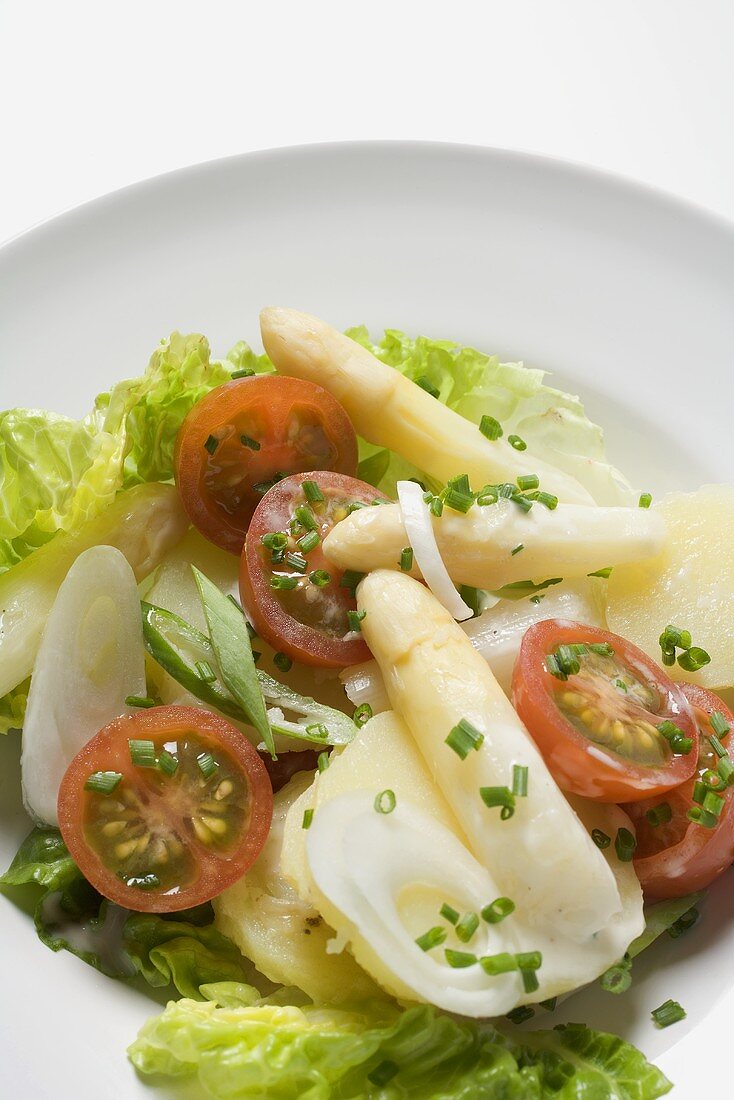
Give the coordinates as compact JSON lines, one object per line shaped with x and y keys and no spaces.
{"x":383,"y":1073}
{"x":350,"y":579}
{"x":684,"y":923}
{"x":699,"y":816}
{"x":306,"y":518}
{"x":459,"y":959}
{"x":385,"y":802}
{"x":263,"y":487}
{"x":497,"y":910}
{"x":246,"y":372}
{"x":102,"y":782}
{"x":362,"y":715}
{"x":659,"y":815}
{"x":712,"y":780}
{"x":142,"y":753}
{"x":719,"y":724}
{"x":427,"y":385}
{"x":621,"y":686}
{"x":205,"y":672}
{"x":503,"y":963}
{"x":211,"y":443}
{"x":529,"y":960}
{"x":284,"y":584}
{"x":434,"y":937}
{"x":519,"y":780}
{"x":669,"y":1012}
{"x":713,"y":803}
{"x":436,"y":507}
{"x":499,"y":796}
{"x":297,"y":562}
{"x":406,"y":559}
{"x":516,"y":549}
{"x":675,"y":737}
{"x":449,"y":913}
{"x":489,"y":427}
{"x":307,"y":819}
{"x":460,"y":482}
{"x":603,"y":573}
{"x":467,"y":926}
{"x":144,"y":702}
{"x":617,"y":978}
{"x":529,"y":980}
{"x":550,"y":1004}
{"x":207,"y":764}
{"x":602,"y":649}
{"x":516,"y":442}
{"x":322,"y":762}
{"x":248,"y":441}
{"x":355,"y":620}
{"x":725,"y":768}
{"x":694,"y":659}
{"x":551,"y":663}
{"x":624,"y":845}
{"x":458,"y":501}
{"x":528,"y":481}
{"x":520,"y":1014}
{"x":463,"y":738}
{"x":699,"y":791}
{"x":167,"y":762}
{"x":309,"y":542}
{"x":317,"y":729}
{"x":283,"y":662}
{"x":320,"y":578}
{"x":312,"y":492}
{"x":600,"y":839}
{"x":549,"y":499}
{"x":717,"y":746}
{"x":645,"y":500}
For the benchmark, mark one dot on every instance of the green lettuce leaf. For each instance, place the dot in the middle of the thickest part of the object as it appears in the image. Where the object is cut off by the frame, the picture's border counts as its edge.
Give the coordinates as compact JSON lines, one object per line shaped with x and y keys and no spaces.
{"x":259,"y":1049}
{"x":184,"y":949}
{"x":552,"y":423}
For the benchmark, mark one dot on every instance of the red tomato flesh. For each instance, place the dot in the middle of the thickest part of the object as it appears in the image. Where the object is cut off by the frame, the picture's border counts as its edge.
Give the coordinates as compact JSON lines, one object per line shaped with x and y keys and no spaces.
{"x":598,"y":730}
{"x":679,"y":856}
{"x":244,"y":436}
{"x":158,"y":842}
{"x":307,"y":616}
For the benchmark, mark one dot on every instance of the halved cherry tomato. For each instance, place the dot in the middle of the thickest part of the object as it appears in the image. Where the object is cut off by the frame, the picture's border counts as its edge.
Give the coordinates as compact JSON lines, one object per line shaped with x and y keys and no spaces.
{"x":177,"y":831}
{"x":246,"y":435}
{"x":297,"y":600}
{"x":598,"y":728}
{"x":678,"y":856}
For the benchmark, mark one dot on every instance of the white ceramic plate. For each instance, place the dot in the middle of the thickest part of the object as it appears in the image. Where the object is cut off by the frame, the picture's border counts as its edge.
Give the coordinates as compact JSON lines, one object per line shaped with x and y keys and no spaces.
{"x":622,"y":292}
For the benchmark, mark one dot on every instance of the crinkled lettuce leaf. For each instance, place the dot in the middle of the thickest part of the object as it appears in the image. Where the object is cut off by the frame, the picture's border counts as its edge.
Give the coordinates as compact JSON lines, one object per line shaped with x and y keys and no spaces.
{"x":184,"y":949}
{"x":239,"y":1047}
{"x":552,"y":423}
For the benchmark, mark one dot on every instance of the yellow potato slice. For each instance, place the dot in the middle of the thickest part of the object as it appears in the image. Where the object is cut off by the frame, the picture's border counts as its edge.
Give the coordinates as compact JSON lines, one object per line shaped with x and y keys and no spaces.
{"x":690,"y":584}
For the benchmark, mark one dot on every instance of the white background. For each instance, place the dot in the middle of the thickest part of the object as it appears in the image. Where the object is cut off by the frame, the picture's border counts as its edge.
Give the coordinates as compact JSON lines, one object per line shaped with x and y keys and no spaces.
{"x":95,"y":94}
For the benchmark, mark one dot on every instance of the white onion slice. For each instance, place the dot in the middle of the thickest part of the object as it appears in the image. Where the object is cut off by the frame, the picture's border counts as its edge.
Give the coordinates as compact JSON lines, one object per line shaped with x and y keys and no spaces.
{"x":418,"y":526}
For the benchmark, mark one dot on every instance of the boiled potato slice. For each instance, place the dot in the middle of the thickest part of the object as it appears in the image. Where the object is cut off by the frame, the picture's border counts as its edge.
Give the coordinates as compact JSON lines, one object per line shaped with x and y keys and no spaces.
{"x":283,"y":936}
{"x":690,"y":584}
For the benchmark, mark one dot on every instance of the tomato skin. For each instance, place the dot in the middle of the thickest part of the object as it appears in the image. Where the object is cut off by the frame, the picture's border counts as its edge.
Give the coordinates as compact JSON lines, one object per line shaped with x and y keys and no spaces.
{"x":109,"y":750}
{"x":578,"y":765}
{"x":301,"y":642}
{"x":265,"y":408}
{"x":682,"y":857}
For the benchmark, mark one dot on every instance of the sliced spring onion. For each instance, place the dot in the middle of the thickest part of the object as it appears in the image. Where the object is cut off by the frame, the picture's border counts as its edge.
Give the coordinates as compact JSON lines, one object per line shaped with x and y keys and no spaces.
{"x":516,"y":549}
{"x":516,"y":442}
{"x":406,"y":559}
{"x":167,"y":762}
{"x":144,"y":702}
{"x":463,"y":738}
{"x":497,"y":910}
{"x":308,"y":542}
{"x":520,"y":1014}
{"x":427,"y":385}
{"x":211,"y":443}
{"x":624,"y":845}
{"x":246,"y":372}
{"x":248,"y":441}
{"x":320,"y":578}
{"x":519,"y":780}
{"x":207,"y":764}
{"x":489,"y":427}
{"x":322,"y":761}
{"x":449,"y":913}
{"x":385,"y":802}
{"x":503,"y":963}
{"x":499,"y":796}
{"x":459,"y":959}
{"x":528,"y":481}
{"x":669,"y":1012}
{"x":102,"y":782}
{"x":283,"y":584}
{"x":601,"y":839}
{"x":719,"y":724}
{"x":434,"y":937}
{"x":312,"y":492}
{"x":350,"y":580}
{"x":142,"y":753}
{"x":354,"y":620}
{"x":362,"y":715}
{"x":467,"y":926}
{"x":307,"y":819}
{"x":659,"y":815}
{"x":422,"y":538}
{"x":306,"y":518}
{"x":283,"y":662}
{"x":645,"y":500}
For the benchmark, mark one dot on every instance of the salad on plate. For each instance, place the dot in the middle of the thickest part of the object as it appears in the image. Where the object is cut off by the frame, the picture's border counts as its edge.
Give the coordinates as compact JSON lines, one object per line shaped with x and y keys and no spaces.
{"x":367,"y":709}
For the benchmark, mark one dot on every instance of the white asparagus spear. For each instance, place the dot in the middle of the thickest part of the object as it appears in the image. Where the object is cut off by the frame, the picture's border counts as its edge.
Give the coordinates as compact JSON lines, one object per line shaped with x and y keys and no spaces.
{"x":477,"y":547}
{"x":391,"y":411}
{"x":143,"y":523}
{"x":541,"y":857}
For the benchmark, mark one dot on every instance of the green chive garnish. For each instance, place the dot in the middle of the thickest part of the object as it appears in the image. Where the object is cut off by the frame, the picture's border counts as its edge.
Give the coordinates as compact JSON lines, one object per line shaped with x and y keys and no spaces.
{"x":504,"y":963}
{"x":624,"y":845}
{"x":142,"y":753}
{"x":355,"y":619}
{"x":283,"y":662}
{"x":467,"y":926}
{"x":497,"y":910}
{"x":350,"y":580}
{"x":274,"y":540}
{"x":307,"y":819}
{"x":516,"y":549}
{"x":516,"y":442}
{"x":306,"y":518}
{"x":296,"y":562}
{"x":322,"y":762}
{"x":427,"y":385}
{"x":144,"y":702}
{"x":362,"y":715}
{"x":284,"y":584}
{"x":436,"y":507}
{"x":499,"y":796}
{"x":385,"y":802}
{"x":528,"y":481}
{"x":246,"y":372}
{"x":645,"y":500}
{"x":207,"y":764}
{"x":211,"y":444}
{"x":684,"y":923}
{"x":317,"y":729}
{"x":248,"y":441}
{"x":459,"y":959}
{"x":432,"y":938}
{"x":529,"y":980}
{"x":519,"y":780}
{"x":604,"y":573}
{"x":309,"y":542}
{"x":550,"y":1004}
{"x":617,"y":978}
{"x":167,"y":762}
{"x":520,"y":1014}
{"x":449,"y":913}
{"x":600,"y":839}
{"x":102,"y":782}
{"x":312,"y":492}
{"x":320,"y":578}
{"x":694,"y":659}
{"x":406,"y":559}
{"x":719,"y":724}
{"x":490,"y":428}
{"x":670,"y":1012}
{"x":463,"y":738}
{"x":659,"y":815}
